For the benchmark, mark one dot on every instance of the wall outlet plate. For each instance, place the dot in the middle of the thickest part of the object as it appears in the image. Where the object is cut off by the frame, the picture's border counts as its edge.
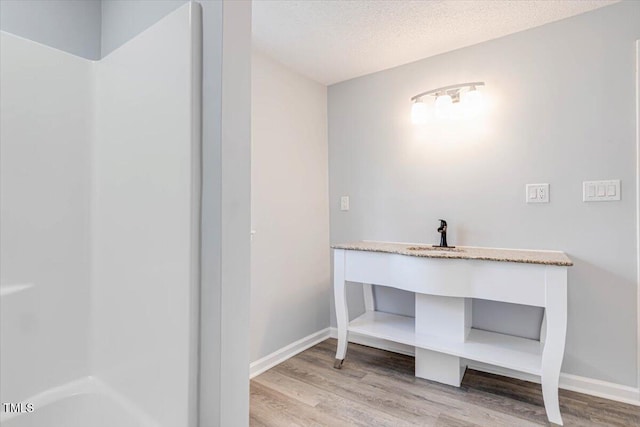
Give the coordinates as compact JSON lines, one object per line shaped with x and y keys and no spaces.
{"x":344,"y":203}
{"x":537,"y":193}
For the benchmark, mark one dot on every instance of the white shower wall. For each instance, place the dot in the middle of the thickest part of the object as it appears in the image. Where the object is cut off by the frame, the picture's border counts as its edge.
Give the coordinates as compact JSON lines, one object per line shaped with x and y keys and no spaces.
{"x":100,"y":216}
{"x":45,"y":134}
{"x":145,"y":219}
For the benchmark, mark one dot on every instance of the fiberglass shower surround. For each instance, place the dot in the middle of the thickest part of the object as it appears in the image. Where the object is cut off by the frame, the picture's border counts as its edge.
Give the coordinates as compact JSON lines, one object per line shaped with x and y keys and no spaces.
{"x":100,"y":224}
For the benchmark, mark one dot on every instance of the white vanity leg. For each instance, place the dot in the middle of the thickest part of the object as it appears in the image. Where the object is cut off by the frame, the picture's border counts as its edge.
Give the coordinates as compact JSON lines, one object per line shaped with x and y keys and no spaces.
{"x":553,"y":353}
{"x":342,"y":313}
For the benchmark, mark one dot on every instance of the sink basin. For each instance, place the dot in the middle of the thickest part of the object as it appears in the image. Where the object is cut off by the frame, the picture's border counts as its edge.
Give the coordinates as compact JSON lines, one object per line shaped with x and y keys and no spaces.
{"x":433,"y":249}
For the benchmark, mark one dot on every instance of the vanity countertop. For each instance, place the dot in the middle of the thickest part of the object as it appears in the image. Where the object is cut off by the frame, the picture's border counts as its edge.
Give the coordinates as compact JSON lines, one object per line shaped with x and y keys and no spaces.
{"x":462,"y":252}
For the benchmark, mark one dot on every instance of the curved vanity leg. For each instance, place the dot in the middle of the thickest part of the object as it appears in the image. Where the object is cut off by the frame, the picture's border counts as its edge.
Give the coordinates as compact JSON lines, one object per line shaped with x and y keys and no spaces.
{"x":342,"y":314}
{"x":556,"y":318}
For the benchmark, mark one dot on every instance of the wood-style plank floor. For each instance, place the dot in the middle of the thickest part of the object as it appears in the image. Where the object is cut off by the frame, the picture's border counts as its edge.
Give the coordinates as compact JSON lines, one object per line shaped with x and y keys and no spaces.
{"x":378,"y":388}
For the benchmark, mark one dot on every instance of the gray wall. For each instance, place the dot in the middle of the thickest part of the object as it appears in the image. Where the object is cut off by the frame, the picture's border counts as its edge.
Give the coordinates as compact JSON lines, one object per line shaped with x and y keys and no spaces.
{"x":234,"y":195}
{"x":562,"y":110}
{"x":290,"y":274}
{"x":124,"y":19}
{"x":69,"y":25}
{"x":88,"y":28}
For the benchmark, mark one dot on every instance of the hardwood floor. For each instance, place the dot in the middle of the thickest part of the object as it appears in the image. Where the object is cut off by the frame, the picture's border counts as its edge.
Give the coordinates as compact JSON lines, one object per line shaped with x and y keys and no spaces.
{"x":378,"y":388}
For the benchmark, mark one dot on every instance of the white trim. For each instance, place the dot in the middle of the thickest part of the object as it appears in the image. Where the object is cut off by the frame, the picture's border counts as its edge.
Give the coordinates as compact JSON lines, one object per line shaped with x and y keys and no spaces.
{"x":279,"y":356}
{"x":599,"y":388}
{"x":590,"y":386}
{"x":637,"y":74}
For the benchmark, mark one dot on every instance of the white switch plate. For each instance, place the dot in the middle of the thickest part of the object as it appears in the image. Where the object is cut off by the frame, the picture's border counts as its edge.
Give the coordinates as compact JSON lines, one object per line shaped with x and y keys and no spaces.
{"x":601,"y":191}
{"x":537,"y":193}
{"x":344,"y":203}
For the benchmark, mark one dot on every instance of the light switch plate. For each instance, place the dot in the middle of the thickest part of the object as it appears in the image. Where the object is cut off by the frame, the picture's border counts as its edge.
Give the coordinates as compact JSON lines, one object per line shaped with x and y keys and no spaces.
{"x":537,"y":193}
{"x":344,"y":203}
{"x":601,"y":191}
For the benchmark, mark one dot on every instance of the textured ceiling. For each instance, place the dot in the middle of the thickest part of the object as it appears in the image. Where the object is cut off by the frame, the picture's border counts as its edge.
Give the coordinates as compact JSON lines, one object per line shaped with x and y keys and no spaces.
{"x":332,"y":41}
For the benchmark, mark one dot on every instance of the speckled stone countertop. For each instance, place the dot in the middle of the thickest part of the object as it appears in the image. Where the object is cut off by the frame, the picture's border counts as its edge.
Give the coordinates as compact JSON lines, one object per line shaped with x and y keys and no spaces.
{"x":462,"y":252}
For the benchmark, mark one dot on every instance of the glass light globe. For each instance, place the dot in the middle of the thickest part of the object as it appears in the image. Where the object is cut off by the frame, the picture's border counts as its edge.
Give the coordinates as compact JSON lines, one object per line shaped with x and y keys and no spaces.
{"x":472,"y":101}
{"x":443,"y":106}
{"x":418,"y":112}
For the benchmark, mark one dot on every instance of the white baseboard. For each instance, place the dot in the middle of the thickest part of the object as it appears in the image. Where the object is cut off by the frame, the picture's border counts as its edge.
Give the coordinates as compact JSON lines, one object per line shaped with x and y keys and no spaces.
{"x":590,"y":386}
{"x":279,"y":356}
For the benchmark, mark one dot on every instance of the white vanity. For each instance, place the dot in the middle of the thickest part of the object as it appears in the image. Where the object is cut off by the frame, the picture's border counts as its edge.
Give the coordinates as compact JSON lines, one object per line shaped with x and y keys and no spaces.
{"x":444,"y":282}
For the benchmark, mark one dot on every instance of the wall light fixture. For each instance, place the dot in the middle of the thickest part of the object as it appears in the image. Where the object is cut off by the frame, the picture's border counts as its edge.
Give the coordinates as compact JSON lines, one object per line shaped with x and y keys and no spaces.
{"x":446,"y":97}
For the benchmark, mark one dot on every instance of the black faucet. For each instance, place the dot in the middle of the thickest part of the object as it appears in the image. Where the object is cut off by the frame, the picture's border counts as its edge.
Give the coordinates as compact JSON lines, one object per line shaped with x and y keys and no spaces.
{"x":443,"y":235}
